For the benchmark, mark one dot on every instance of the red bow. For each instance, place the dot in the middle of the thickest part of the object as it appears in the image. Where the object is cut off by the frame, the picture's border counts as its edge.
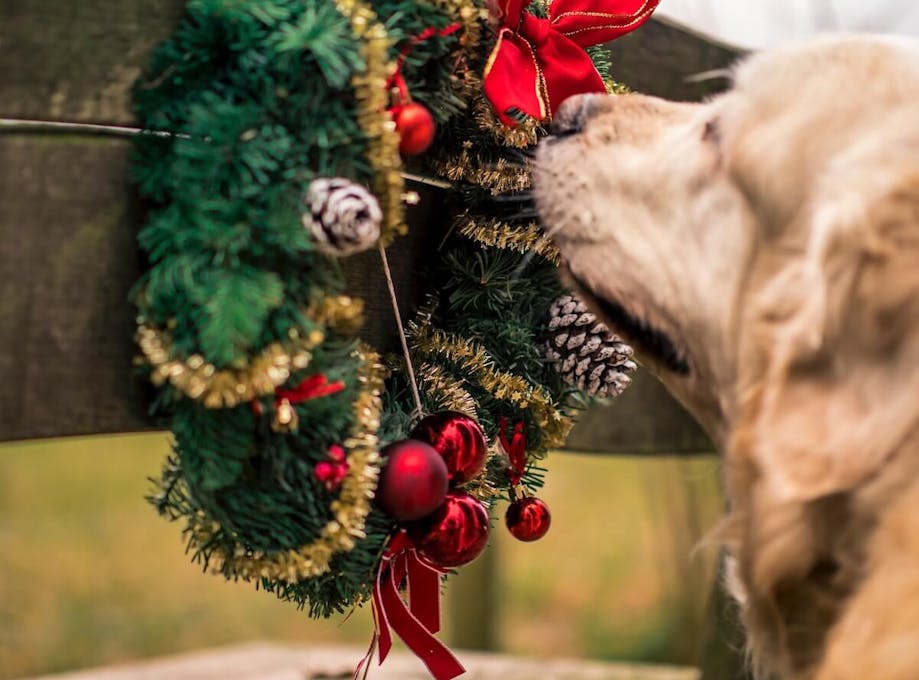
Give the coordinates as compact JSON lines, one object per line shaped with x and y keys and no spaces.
{"x":415,"y":623}
{"x":285,"y":417}
{"x":311,"y":387}
{"x":538,"y":63}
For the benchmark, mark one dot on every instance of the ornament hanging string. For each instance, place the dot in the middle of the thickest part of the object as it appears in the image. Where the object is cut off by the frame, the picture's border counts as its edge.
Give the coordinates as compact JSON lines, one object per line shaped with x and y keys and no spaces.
{"x":516,"y":450}
{"x":397,"y":80}
{"x":414,"y":122}
{"x":409,"y":368}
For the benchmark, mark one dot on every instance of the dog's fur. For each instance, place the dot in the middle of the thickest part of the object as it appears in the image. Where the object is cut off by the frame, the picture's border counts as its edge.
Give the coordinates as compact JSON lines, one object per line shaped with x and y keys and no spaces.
{"x":762,"y":251}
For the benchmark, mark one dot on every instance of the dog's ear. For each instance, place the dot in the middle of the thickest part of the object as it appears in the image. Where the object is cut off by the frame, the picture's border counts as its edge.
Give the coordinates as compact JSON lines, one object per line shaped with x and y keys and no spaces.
{"x":838,"y":333}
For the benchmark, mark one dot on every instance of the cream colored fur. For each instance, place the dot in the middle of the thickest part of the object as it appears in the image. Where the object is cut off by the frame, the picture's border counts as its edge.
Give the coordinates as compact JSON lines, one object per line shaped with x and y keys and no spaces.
{"x":773,"y":234}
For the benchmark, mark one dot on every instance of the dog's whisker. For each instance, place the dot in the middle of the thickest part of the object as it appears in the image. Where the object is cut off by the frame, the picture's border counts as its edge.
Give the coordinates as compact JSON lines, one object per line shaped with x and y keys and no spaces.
{"x":549,"y":233}
{"x":526,"y":214}
{"x":517,"y":197}
{"x":525,"y":154}
{"x":524,"y":263}
{"x":713,"y":74}
{"x":529,"y":255}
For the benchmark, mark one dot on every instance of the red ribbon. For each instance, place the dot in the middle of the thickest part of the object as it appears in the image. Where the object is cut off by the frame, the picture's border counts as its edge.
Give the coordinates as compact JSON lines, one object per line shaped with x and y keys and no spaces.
{"x":416,"y":622}
{"x":538,"y":63}
{"x":311,"y":387}
{"x":397,"y":80}
{"x":516,"y":449}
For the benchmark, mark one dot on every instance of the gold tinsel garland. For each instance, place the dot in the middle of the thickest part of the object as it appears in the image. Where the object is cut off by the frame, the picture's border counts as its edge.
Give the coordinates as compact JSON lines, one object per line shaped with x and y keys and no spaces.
{"x":524,"y":134}
{"x":497,"y":175}
{"x":225,"y":388}
{"x":373,"y":117}
{"x":496,"y":233}
{"x":444,"y":390}
{"x":342,"y":313}
{"x":260,"y":376}
{"x":349,"y":509}
{"x":471,"y":17}
{"x":471,"y":357}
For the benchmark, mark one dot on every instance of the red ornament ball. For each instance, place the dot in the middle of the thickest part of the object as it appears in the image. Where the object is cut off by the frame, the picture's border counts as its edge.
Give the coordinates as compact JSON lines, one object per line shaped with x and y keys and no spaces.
{"x":459,"y":439}
{"x":528,"y":519}
{"x":416,"y":128}
{"x":455,"y":534}
{"x":413,"y":481}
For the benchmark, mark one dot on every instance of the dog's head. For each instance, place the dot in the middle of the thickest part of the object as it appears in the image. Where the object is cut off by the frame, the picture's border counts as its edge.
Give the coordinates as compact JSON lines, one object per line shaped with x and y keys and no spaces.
{"x":761,"y":250}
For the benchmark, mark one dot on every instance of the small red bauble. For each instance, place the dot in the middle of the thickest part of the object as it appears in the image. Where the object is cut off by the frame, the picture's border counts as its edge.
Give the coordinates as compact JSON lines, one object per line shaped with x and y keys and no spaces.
{"x":413,"y":481}
{"x":528,"y":519}
{"x":455,"y":534}
{"x":459,"y":439}
{"x":332,"y":472}
{"x":416,"y":128}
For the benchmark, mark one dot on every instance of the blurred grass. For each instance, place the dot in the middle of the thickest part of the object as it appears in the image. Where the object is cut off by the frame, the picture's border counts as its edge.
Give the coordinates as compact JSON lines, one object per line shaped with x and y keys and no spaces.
{"x":90,"y":575}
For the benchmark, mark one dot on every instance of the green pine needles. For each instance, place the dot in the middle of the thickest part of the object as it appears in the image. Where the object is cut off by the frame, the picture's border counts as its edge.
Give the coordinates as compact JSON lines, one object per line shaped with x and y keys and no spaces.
{"x":255,"y":101}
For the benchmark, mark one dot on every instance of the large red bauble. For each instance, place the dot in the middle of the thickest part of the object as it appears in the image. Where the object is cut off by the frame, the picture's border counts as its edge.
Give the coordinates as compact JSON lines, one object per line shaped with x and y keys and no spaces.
{"x":528,"y":519}
{"x":459,"y":439}
{"x":416,"y":128}
{"x":454,"y":534}
{"x":413,"y":482}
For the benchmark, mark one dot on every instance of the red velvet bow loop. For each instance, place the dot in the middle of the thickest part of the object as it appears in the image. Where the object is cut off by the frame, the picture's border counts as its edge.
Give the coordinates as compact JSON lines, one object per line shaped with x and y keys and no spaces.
{"x":416,"y":622}
{"x":537,"y":62}
{"x":515,"y":448}
{"x":311,"y":387}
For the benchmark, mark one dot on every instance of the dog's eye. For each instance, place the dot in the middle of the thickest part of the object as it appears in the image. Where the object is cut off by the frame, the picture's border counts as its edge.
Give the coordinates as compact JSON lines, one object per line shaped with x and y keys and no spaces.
{"x":712,"y":131}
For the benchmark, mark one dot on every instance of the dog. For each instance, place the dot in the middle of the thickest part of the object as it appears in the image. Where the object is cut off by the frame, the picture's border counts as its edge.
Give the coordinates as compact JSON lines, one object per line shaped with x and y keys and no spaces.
{"x":761,"y":251}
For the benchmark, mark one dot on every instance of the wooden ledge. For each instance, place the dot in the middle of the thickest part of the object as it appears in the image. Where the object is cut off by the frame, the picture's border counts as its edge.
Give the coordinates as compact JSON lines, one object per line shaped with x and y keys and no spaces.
{"x":261,"y":661}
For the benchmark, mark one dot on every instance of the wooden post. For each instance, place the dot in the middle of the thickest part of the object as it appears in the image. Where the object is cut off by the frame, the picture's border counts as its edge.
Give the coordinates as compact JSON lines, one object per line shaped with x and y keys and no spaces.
{"x":473,"y":605}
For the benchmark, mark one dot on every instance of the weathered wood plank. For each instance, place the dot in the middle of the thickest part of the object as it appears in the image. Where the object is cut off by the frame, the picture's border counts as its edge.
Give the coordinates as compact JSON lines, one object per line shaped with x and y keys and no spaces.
{"x":67,"y":257}
{"x":68,"y":223}
{"x":644,"y":420}
{"x":276,"y":662}
{"x":662,"y":59}
{"x":76,"y":61}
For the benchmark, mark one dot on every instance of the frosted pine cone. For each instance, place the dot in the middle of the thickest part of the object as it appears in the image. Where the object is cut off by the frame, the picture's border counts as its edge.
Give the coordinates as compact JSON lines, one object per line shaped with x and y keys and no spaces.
{"x":342,"y":216}
{"x":584,"y":351}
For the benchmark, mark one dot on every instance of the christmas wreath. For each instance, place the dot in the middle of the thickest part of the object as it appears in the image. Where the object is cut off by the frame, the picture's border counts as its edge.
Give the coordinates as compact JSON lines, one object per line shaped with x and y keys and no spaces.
{"x":277,"y":140}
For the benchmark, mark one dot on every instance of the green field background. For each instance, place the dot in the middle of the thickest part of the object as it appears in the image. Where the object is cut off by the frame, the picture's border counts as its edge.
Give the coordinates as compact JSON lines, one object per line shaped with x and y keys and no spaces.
{"x":90,"y":575}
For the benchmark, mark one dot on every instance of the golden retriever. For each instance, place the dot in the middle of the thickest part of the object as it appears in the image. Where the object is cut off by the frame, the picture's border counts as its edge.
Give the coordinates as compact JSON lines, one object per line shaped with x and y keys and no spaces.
{"x":761,"y":250}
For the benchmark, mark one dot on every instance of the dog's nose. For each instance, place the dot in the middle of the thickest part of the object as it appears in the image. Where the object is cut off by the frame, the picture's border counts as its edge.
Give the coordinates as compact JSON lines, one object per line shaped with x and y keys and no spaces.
{"x":574,"y":113}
